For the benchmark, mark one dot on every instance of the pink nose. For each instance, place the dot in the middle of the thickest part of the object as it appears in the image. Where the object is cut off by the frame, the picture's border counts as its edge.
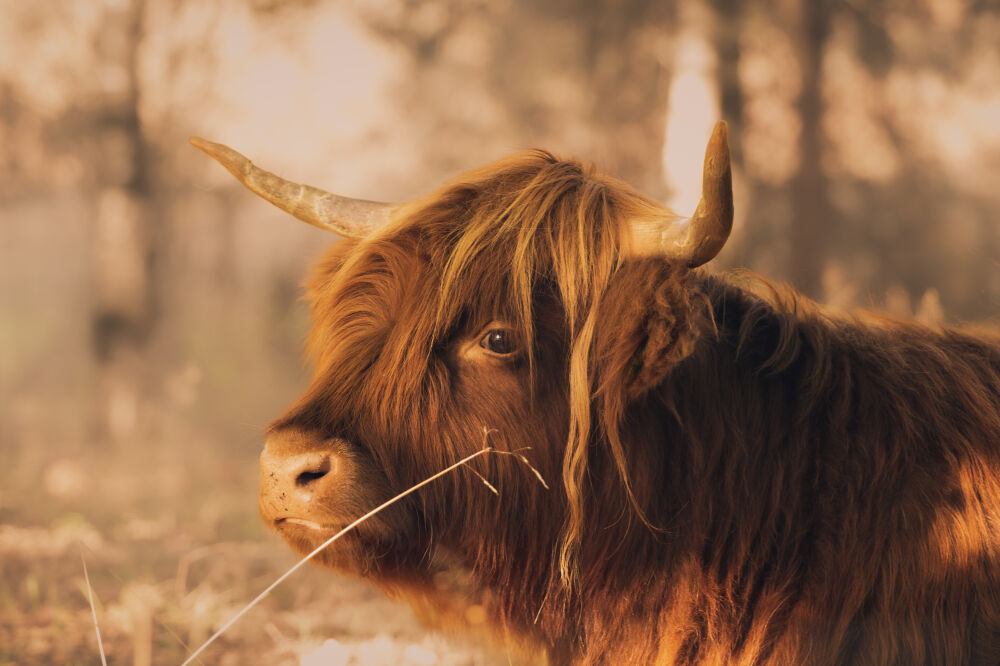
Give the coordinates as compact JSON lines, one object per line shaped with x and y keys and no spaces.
{"x":292,"y":482}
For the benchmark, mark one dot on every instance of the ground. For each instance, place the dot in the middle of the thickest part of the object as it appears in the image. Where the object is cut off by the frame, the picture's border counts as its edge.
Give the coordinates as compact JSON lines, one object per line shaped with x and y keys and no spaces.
{"x":173,"y":552}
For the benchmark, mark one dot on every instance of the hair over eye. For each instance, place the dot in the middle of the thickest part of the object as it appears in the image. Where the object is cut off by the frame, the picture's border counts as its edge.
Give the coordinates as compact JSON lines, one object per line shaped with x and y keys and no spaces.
{"x":500,"y":341}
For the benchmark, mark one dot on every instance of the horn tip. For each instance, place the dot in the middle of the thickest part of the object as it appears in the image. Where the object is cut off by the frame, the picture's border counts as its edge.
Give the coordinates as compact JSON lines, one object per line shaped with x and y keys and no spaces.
{"x":210,"y":148}
{"x":717,"y":151}
{"x":199,"y":143}
{"x":718,"y":143}
{"x":233,"y":161}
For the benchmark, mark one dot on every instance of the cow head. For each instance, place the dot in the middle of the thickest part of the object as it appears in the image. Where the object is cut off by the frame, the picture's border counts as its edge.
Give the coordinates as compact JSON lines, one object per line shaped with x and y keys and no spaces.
{"x":533,"y":299}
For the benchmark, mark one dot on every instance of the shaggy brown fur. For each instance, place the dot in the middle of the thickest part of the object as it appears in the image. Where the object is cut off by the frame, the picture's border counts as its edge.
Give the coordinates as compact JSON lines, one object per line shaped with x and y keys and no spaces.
{"x":738,"y":477}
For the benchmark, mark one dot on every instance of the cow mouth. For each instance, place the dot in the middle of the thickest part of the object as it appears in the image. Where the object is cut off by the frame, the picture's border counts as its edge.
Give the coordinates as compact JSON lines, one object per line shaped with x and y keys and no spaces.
{"x":318,"y":529}
{"x":309,"y":538}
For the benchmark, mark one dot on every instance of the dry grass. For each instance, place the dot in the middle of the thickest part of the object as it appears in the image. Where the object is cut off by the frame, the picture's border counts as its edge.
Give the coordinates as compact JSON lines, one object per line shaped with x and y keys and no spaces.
{"x":333,"y":539}
{"x":50,"y":621}
{"x":163,"y":595}
{"x":93,"y":609}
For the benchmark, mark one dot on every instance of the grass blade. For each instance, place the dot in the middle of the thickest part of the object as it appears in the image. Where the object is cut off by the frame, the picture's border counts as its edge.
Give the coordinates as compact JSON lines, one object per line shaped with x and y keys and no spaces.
{"x":93,"y":609}
{"x":326,"y":543}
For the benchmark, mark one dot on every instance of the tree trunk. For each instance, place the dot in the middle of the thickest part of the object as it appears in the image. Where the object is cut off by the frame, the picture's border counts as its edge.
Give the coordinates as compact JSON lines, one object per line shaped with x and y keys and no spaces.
{"x":629,"y":85}
{"x":812,"y":219}
{"x":726,"y":41}
{"x":123,"y":241}
{"x":725,"y":36}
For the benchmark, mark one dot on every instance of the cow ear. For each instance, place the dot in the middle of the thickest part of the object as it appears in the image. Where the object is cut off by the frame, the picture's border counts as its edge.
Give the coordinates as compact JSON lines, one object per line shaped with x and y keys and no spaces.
{"x":646,"y":326}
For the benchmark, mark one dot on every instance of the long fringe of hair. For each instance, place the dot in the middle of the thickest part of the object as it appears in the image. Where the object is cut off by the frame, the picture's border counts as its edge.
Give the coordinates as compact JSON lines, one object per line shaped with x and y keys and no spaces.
{"x":530,"y":219}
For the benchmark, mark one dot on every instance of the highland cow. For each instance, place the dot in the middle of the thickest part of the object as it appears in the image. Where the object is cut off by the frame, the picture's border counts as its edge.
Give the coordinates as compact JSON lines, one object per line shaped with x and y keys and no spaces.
{"x":738,"y":476}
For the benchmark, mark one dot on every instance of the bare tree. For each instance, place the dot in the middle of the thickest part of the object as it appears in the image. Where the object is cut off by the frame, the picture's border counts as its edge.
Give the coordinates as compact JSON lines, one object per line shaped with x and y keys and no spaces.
{"x":728,"y":21}
{"x":812,"y":215}
{"x":590,"y":78}
{"x":125,"y":221}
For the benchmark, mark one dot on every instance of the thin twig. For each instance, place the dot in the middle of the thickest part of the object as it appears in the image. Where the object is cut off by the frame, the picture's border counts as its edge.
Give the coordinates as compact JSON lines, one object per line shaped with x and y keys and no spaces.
{"x":519,"y":456}
{"x":485,"y":482}
{"x":516,"y":453}
{"x":326,"y":543}
{"x":93,"y":609}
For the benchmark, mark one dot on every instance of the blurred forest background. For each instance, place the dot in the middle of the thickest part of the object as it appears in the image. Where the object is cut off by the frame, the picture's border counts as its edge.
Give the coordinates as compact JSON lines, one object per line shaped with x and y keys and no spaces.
{"x":149,"y":316}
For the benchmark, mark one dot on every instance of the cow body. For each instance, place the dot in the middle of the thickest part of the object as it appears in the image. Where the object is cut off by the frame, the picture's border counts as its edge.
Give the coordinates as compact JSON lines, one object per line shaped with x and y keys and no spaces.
{"x":737,"y":476}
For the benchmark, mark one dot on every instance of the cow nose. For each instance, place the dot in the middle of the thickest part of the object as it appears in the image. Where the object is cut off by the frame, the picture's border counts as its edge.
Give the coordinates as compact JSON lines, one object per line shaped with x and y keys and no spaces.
{"x":296,"y":478}
{"x":310,"y":470}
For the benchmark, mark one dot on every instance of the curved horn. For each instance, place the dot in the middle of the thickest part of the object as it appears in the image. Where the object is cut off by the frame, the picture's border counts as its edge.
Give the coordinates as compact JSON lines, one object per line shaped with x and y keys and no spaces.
{"x":351,"y":218}
{"x":697,"y":239}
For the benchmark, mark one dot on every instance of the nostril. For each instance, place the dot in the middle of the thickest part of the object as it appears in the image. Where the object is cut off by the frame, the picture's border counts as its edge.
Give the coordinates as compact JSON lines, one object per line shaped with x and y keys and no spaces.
{"x":315,"y":471}
{"x":305,"y":478}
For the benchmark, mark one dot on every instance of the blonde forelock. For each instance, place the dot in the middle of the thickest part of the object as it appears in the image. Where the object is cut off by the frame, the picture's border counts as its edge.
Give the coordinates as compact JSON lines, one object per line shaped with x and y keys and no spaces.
{"x":503,"y":229}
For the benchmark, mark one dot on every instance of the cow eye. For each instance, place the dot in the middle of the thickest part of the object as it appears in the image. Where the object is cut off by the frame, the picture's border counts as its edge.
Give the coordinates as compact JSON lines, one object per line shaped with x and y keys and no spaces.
{"x":500,"y":341}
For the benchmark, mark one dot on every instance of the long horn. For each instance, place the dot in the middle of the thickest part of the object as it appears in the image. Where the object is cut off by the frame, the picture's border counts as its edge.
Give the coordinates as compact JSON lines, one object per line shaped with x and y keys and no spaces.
{"x":351,"y":218}
{"x":697,"y":239}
